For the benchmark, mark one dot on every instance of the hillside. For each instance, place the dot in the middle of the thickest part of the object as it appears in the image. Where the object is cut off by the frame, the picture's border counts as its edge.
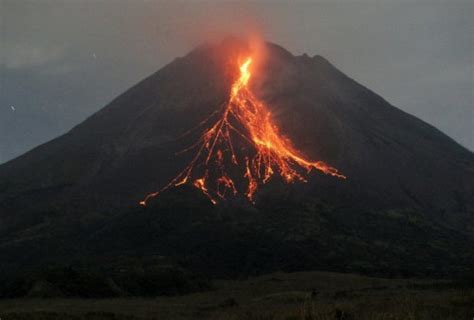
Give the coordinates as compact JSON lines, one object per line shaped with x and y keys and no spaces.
{"x":406,"y":207}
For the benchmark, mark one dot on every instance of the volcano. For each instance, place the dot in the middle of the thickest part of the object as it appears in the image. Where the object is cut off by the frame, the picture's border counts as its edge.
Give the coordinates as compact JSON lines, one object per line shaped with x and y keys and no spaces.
{"x":407,"y":204}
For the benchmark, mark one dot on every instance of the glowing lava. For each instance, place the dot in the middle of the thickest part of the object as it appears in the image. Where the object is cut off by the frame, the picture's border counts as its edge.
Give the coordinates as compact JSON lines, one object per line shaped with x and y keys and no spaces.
{"x":243,"y":142}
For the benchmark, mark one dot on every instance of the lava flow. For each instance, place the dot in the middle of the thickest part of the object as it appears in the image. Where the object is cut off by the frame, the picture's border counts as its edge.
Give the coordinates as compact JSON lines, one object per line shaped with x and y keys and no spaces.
{"x":245,"y":143}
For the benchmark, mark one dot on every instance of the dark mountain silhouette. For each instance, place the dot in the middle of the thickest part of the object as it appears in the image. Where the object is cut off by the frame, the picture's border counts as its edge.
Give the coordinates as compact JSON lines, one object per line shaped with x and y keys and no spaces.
{"x":407,"y":205}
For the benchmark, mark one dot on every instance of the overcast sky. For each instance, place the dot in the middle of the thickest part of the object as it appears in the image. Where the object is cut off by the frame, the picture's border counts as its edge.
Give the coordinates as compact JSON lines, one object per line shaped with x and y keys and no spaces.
{"x":60,"y":61}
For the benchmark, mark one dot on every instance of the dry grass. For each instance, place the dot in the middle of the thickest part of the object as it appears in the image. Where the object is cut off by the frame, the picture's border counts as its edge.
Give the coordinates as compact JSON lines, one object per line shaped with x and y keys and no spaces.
{"x":305,"y":296}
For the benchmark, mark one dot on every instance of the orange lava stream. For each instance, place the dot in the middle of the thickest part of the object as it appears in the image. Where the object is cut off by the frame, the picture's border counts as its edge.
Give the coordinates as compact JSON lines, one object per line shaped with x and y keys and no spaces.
{"x":247,"y":118}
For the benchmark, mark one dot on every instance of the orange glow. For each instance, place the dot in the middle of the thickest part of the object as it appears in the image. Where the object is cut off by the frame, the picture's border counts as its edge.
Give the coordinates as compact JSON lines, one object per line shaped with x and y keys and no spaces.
{"x":243,"y":139}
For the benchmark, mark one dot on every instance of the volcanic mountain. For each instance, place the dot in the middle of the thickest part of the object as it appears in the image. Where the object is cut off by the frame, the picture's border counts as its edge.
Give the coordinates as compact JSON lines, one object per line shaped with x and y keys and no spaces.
{"x":407,"y":204}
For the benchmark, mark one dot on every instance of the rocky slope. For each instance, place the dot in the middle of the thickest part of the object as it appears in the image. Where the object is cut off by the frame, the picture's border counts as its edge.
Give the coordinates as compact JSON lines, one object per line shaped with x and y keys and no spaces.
{"x":408,"y":202}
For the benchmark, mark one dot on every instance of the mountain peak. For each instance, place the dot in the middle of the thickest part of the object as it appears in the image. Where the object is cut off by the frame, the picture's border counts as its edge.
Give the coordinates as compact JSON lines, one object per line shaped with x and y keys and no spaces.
{"x":394,"y":162}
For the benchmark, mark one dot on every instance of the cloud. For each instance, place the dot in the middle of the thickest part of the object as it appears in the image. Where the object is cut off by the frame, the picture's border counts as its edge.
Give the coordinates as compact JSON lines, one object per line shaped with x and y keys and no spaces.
{"x":27,"y":55}
{"x":416,"y":54}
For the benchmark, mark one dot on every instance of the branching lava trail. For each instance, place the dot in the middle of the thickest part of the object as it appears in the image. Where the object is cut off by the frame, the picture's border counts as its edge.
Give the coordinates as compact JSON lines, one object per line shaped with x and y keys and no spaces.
{"x":243,"y":142}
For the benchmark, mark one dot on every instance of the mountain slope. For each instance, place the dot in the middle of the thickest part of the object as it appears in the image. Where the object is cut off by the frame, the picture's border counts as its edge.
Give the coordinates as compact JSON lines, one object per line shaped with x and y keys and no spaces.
{"x":401,"y":171}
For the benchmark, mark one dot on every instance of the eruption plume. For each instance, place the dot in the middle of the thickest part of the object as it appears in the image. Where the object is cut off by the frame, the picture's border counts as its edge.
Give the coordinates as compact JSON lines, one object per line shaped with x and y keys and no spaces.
{"x":243,"y":142}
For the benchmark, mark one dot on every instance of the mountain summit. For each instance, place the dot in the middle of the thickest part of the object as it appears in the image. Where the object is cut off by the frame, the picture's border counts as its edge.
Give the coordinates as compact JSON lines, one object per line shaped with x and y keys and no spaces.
{"x":407,"y":183}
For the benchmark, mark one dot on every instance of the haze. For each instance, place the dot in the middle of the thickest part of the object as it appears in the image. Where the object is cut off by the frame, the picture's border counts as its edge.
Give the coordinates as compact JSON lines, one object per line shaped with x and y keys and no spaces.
{"x":60,"y":61}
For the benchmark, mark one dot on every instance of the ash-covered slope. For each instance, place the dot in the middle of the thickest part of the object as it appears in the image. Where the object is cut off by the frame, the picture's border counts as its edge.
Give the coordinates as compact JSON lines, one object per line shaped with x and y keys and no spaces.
{"x":394,"y":162}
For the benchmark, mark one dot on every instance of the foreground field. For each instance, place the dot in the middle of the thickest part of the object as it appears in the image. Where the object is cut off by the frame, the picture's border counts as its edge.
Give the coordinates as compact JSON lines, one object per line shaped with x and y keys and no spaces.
{"x":303,"y":295}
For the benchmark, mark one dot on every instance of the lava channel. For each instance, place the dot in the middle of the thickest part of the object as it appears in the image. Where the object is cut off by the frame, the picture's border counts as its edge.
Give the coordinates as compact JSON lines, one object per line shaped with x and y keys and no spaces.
{"x":244,"y":142}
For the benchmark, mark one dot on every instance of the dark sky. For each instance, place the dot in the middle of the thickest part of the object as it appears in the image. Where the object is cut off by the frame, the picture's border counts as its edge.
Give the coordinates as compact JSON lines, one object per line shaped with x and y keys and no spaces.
{"x":60,"y":61}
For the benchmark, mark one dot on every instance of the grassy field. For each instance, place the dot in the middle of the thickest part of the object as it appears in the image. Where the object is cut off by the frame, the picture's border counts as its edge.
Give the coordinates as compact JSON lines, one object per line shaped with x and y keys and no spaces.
{"x":303,"y":295}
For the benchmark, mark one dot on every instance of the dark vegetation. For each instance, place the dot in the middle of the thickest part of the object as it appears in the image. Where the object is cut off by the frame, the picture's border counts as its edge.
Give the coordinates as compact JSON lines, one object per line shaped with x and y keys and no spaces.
{"x":179,"y":242}
{"x":119,"y":277}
